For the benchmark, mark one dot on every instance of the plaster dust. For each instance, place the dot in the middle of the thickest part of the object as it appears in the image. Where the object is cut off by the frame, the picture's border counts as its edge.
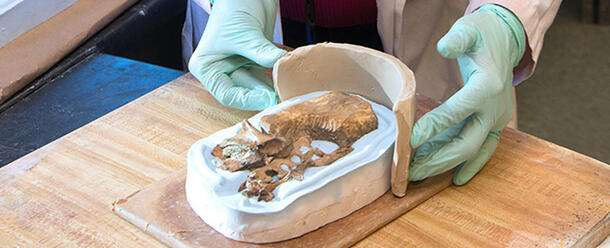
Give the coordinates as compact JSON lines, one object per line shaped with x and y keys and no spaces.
{"x":326,"y":193}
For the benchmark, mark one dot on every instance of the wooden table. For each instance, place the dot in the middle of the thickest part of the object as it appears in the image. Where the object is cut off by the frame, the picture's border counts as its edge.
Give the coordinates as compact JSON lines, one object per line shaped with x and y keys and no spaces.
{"x":531,"y":193}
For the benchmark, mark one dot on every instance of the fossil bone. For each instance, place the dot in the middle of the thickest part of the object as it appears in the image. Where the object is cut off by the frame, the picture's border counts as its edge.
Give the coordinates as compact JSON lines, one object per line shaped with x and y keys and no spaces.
{"x":248,"y":149}
{"x":286,"y":151}
{"x":336,"y":117}
{"x":262,"y":181}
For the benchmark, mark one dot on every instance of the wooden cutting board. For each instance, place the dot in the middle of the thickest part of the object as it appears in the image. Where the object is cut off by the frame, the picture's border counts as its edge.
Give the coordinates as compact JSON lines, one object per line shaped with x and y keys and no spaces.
{"x":162,"y":211}
{"x":531,"y":193}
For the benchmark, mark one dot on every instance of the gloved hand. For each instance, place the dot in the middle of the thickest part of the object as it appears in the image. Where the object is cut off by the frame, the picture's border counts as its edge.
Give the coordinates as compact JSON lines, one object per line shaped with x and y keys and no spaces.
{"x":465,"y":130}
{"x":235,"y":46}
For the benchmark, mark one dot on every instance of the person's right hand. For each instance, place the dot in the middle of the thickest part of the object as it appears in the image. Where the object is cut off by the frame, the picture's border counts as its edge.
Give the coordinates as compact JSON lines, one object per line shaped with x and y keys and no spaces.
{"x":233,"y":50}
{"x":465,"y":130}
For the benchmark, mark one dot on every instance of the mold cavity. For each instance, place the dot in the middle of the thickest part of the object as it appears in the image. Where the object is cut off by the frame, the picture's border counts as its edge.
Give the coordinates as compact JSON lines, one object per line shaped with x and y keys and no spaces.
{"x":325,"y":146}
{"x":314,"y":157}
{"x":275,"y":179}
{"x":271,"y":173}
{"x":304,"y":149}
{"x":295,"y":159}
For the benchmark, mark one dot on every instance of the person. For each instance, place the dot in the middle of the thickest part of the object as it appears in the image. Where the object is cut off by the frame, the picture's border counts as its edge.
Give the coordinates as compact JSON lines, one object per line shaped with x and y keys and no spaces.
{"x":490,"y":46}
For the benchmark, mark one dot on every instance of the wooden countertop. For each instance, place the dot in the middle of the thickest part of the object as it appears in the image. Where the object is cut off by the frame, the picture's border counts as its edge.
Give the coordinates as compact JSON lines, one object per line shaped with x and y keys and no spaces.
{"x":531,"y":193}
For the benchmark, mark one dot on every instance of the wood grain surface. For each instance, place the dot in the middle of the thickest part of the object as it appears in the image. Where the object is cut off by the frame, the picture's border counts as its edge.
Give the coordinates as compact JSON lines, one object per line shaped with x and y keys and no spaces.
{"x":531,"y":193}
{"x":161,"y":209}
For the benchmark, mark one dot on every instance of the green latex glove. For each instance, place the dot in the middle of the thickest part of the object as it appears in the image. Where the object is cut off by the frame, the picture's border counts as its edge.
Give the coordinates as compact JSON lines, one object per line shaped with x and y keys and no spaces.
{"x":465,"y":130}
{"x":233,"y":50}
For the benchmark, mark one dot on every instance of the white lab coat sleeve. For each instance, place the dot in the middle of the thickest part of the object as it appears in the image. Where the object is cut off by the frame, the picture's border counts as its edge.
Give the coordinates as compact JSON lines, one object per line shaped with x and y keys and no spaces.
{"x":536,"y":17}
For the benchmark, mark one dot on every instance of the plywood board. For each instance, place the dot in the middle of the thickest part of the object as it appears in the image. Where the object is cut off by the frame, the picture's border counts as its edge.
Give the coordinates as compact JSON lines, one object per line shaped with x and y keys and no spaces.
{"x":162,"y":211}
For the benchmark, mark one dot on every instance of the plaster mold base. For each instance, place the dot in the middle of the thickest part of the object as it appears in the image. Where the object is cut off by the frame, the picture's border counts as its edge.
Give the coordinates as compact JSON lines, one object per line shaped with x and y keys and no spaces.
{"x":335,"y":200}
{"x":325,"y":194}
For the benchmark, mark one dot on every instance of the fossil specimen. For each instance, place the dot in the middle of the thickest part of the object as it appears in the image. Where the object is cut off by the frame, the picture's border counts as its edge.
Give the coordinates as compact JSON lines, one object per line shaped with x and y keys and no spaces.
{"x":247,"y":149}
{"x":283,"y":150}
{"x":335,"y":117}
{"x":262,"y":181}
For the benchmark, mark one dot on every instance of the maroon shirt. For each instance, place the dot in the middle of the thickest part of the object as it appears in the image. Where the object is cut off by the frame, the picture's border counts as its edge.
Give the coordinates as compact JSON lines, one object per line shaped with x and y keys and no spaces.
{"x":332,"y":13}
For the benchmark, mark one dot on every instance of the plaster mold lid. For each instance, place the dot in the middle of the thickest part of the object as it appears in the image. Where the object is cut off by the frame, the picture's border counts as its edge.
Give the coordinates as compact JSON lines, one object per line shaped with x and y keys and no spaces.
{"x":374,"y":75}
{"x":326,"y":193}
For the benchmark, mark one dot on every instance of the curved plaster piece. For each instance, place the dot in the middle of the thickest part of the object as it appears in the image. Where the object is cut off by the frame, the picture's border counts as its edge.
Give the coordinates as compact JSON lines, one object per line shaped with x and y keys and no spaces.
{"x":377,"y":76}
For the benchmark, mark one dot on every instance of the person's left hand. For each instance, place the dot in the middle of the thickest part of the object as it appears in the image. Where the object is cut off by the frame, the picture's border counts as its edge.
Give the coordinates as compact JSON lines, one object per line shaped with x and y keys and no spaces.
{"x":465,"y":130}
{"x":234,"y":49}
